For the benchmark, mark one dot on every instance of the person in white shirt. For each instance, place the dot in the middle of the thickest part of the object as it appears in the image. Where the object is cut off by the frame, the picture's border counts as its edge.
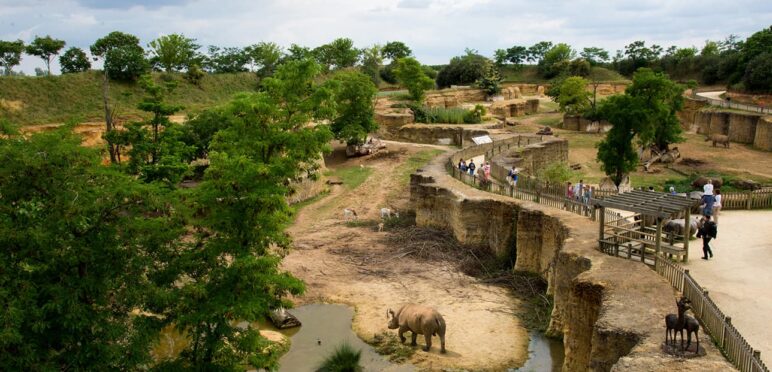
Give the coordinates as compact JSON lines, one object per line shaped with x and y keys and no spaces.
{"x":707,"y":199}
{"x":708,"y":188}
{"x":716,"y":205}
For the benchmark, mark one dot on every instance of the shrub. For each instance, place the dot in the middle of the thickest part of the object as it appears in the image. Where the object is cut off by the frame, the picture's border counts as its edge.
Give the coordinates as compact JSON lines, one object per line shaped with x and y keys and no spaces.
{"x":463,"y":70}
{"x":758,"y":74}
{"x":556,"y":173}
{"x":343,"y":359}
{"x":412,"y":76}
{"x":194,"y":74}
{"x":456,"y":115}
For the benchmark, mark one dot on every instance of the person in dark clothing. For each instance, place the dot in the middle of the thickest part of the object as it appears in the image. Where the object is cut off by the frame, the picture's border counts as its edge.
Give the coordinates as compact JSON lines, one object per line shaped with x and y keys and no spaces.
{"x":707,"y":231}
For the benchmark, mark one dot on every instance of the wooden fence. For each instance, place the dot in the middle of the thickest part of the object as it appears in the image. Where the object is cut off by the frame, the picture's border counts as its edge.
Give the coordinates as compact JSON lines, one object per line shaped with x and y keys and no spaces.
{"x":728,"y":338}
{"x":720,"y":326}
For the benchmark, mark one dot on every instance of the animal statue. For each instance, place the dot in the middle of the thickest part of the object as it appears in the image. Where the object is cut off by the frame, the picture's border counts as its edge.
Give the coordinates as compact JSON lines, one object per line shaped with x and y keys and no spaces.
{"x":676,"y":323}
{"x":692,"y":326}
{"x":349,"y":215}
{"x":420,"y":320}
{"x":677,"y":226}
{"x":718,"y":138}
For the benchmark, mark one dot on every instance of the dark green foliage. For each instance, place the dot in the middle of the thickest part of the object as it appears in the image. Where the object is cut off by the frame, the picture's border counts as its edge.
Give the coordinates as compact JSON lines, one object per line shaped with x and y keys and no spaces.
{"x":572,"y":95}
{"x":340,"y":53}
{"x":355,"y":97}
{"x":74,"y":60}
{"x":490,"y":80}
{"x":264,"y":57}
{"x":410,"y":74}
{"x":387,"y":73}
{"x":45,"y":48}
{"x":615,"y":152}
{"x":594,"y":55}
{"x":758,"y":74}
{"x":537,"y":51}
{"x":124,"y":58}
{"x":225,"y":60}
{"x":372,"y":58}
{"x":80,"y":244}
{"x":10,"y":54}
{"x":463,"y":70}
{"x":441,"y":115}
{"x":343,"y":359}
{"x":194,"y":74}
{"x":515,"y":55}
{"x":394,"y":50}
{"x":556,"y":61}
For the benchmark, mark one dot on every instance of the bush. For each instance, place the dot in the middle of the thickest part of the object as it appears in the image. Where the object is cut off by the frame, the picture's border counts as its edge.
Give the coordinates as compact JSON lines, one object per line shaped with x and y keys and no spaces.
{"x":343,"y":359}
{"x":432,"y":115}
{"x":194,"y":74}
{"x":556,"y":173}
{"x":464,"y":70}
{"x":758,"y":74}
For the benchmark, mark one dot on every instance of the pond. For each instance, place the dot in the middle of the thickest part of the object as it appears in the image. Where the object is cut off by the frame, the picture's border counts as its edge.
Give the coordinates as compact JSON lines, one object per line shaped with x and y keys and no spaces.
{"x":544,"y":354}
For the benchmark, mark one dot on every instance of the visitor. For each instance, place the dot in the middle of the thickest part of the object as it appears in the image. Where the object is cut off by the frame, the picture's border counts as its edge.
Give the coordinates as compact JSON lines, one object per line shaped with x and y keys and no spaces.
{"x":716,"y":205}
{"x":487,"y":170}
{"x":512,"y":175}
{"x":471,"y":167}
{"x":578,"y":188}
{"x":587,"y":195}
{"x":707,"y":231}
{"x":569,"y":191}
{"x":707,"y":198}
{"x":672,"y":190}
{"x":651,"y":188}
{"x":461,"y":164}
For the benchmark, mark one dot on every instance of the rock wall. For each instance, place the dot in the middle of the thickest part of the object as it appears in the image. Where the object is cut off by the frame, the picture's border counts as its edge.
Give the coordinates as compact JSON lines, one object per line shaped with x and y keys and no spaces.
{"x":439,"y":134}
{"x":529,"y":158}
{"x":390,"y":122}
{"x":454,"y":97}
{"x":580,"y":124}
{"x":763,"y":137}
{"x":514,"y":107}
{"x":687,"y":115}
{"x":740,"y":127}
{"x":606,"y":308}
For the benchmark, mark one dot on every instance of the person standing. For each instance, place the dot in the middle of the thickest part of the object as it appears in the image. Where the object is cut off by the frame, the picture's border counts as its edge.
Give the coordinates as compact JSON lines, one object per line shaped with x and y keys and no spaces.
{"x":578,"y":189}
{"x":707,"y":231}
{"x":672,"y":190}
{"x":487,"y":170}
{"x":716,"y":205}
{"x":471,"y":167}
{"x":513,"y":175}
{"x":707,"y":198}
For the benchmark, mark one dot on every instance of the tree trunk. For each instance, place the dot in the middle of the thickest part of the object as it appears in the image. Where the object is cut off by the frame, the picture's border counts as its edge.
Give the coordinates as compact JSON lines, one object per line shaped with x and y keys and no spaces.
{"x":108,"y":115}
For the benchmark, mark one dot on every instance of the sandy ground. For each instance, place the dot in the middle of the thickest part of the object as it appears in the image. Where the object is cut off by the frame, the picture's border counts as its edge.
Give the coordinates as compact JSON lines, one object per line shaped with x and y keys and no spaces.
{"x":738,"y":277}
{"x":352,"y":265}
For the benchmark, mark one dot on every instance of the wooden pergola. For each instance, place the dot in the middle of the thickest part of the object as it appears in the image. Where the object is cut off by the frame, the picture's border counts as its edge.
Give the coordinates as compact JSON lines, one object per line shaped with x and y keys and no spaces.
{"x":626,"y":237}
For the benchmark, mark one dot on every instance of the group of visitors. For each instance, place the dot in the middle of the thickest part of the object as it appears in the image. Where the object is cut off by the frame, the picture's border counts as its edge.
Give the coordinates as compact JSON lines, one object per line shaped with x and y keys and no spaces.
{"x":708,"y":229}
{"x":579,"y":192}
{"x":471,"y":168}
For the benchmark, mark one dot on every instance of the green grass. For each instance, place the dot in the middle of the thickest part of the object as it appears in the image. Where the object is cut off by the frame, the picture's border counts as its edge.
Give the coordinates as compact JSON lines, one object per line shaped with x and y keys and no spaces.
{"x":56,"y":99}
{"x":387,"y":93}
{"x":414,"y":162}
{"x":530,"y":74}
{"x":387,"y":343}
{"x":344,"y":359}
{"x":551,"y":121}
{"x":548,"y":106}
{"x":351,"y":177}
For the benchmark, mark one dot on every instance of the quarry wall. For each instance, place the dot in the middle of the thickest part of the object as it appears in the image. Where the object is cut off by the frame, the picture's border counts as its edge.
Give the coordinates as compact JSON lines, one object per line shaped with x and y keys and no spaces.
{"x":741,"y":127}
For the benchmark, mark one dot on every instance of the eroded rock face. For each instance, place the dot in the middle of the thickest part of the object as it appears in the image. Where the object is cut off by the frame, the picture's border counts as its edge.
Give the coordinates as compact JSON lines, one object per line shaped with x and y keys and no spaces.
{"x":454,"y":97}
{"x":748,"y":128}
{"x":514,"y":107}
{"x":609,"y":310}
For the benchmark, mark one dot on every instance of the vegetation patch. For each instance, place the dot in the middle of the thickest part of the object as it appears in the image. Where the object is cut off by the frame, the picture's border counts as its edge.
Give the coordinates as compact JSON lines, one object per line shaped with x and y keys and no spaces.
{"x":550,"y":121}
{"x":387,"y":343}
{"x":454,"y":115}
{"x":351,"y":177}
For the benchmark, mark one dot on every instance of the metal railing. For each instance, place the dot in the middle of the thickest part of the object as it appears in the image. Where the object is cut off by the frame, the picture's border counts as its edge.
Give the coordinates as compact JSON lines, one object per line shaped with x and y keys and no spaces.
{"x":733,"y":105}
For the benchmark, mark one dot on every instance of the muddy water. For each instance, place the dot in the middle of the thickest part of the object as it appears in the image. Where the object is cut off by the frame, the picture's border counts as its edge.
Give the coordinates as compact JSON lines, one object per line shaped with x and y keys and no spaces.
{"x":544,"y":354}
{"x":330,"y":324}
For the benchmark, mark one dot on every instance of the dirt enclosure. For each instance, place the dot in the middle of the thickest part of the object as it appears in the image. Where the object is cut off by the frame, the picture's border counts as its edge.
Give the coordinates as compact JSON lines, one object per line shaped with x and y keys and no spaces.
{"x":370,"y":270}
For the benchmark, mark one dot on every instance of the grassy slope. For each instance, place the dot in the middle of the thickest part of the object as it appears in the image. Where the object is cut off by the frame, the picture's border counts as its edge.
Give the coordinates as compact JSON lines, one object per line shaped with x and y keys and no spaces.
{"x":529,"y":74}
{"x":79,"y":96}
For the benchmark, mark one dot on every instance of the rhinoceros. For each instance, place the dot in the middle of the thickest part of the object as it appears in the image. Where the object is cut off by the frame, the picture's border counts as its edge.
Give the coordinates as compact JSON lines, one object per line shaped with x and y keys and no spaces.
{"x":677,"y":226}
{"x":420,"y":320}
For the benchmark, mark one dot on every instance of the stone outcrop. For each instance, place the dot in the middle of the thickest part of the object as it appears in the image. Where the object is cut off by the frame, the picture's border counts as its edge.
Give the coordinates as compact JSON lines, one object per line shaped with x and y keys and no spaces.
{"x":763,"y":138}
{"x":439,"y":134}
{"x":580,"y":124}
{"x":514,"y":107}
{"x":530,"y":158}
{"x":609,"y":310}
{"x":687,"y":115}
{"x":512,"y":92}
{"x":454,"y":97}
{"x":390,"y":122}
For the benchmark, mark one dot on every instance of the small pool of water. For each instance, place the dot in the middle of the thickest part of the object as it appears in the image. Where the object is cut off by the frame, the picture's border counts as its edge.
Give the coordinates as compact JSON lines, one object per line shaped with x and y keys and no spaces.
{"x":330,"y":324}
{"x":544,"y":354}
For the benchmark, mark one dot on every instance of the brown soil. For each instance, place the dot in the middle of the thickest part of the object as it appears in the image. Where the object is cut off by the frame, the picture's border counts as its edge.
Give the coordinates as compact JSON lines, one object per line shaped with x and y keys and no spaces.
{"x":373,"y":271}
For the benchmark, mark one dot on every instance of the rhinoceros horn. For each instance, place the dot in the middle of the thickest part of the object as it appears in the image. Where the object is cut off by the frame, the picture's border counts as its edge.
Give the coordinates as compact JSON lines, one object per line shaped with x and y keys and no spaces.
{"x":389,"y":312}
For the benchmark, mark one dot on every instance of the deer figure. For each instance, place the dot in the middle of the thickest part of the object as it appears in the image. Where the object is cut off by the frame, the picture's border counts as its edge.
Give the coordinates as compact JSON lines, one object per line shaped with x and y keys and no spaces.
{"x":676,"y":323}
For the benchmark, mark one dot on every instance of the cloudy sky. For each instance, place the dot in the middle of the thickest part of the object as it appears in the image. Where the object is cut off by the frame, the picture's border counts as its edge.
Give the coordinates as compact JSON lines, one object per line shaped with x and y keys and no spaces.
{"x":435,"y":29}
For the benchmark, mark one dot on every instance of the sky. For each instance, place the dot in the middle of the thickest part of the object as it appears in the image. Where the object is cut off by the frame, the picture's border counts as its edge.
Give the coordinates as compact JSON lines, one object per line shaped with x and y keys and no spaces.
{"x":436,"y":30}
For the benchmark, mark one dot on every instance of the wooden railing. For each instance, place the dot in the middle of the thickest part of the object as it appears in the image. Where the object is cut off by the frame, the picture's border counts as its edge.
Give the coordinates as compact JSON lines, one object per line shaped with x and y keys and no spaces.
{"x":727,"y":337}
{"x":720,"y":327}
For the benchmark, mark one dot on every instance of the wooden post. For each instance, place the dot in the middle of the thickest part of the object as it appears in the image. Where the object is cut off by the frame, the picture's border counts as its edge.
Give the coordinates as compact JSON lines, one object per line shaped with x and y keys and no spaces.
{"x":748,"y":201}
{"x":727,"y":322}
{"x":658,"y":238}
{"x":687,"y":232}
{"x":602,"y":222}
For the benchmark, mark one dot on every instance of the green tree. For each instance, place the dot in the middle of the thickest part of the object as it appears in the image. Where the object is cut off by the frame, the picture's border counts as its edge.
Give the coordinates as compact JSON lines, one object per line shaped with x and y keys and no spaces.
{"x":616,"y":153}
{"x":372,"y":58}
{"x":757,"y":44}
{"x":515,"y":55}
{"x":758,"y":74}
{"x":231,"y":269}
{"x":226,"y":60}
{"x":124,"y":58}
{"x":556,"y":60}
{"x":173,"y":52}
{"x":10,"y":54}
{"x":45,"y":48}
{"x":595,"y":55}
{"x":574,"y":99}
{"x":355,"y":98}
{"x":81,"y":247}
{"x":490,"y":79}
{"x":264,"y":57}
{"x":463,"y":70}
{"x":340,"y":53}
{"x":537,"y":51}
{"x":298,"y":53}
{"x":410,"y":74}
{"x":711,"y":48}
{"x":74,"y":60}
{"x":394,"y":50}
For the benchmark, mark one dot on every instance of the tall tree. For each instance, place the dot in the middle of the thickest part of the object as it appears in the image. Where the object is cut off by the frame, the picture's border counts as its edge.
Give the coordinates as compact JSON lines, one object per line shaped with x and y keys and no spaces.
{"x":74,"y":60}
{"x":537,"y":51}
{"x":119,"y":52}
{"x":616,"y":153}
{"x":410,"y":74}
{"x":340,"y":53}
{"x":264,"y":57}
{"x":81,"y":247}
{"x":574,"y":98}
{"x":394,"y":50}
{"x":226,"y":60}
{"x":173,"y":52}
{"x":45,"y":48}
{"x":556,"y":60}
{"x":231,"y":269}
{"x":372,"y":58}
{"x":355,"y":98}
{"x":595,"y":55}
{"x":10,"y":54}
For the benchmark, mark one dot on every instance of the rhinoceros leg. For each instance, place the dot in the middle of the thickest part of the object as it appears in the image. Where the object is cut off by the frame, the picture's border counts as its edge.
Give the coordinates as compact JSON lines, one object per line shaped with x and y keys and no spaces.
{"x":428,"y":337}
{"x":401,"y":334}
{"x":415,"y":336}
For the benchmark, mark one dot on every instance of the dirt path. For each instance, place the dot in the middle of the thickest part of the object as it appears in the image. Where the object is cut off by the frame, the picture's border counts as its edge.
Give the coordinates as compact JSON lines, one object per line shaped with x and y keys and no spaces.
{"x":355,"y":266}
{"x":738,"y":278}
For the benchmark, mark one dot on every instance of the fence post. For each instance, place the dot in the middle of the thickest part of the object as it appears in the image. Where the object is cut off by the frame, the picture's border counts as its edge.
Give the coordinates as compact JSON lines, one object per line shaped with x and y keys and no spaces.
{"x":727,"y":323}
{"x":702,"y":303}
{"x":748,"y":201}
{"x":683,"y":280}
